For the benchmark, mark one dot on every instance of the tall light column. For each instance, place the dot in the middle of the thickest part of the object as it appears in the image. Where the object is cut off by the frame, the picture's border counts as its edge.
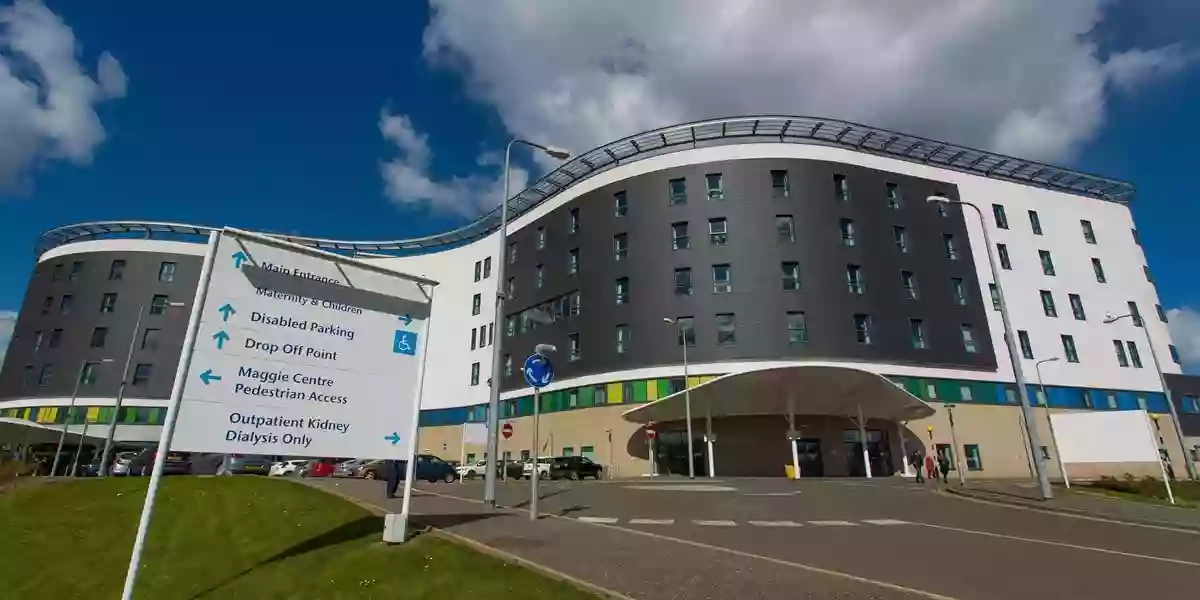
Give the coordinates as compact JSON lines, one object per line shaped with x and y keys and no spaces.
{"x":687,"y":398}
{"x":62,"y":437}
{"x":1062,"y":467}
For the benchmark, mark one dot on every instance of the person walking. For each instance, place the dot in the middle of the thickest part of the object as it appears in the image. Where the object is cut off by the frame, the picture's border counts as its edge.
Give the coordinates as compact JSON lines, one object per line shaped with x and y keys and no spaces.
{"x":391,"y":469}
{"x":930,"y":468}
{"x":917,"y":464}
{"x":944,"y":467}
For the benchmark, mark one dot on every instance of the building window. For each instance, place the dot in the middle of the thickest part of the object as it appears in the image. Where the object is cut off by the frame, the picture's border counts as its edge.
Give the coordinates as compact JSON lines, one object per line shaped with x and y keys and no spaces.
{"x":1146,"y":272}
{"x":47,"y":304}
{"x":474,"y":373}
{"x":715,"y":188}
{"x":1026,"y":347}
{"x":166,"y":272}
{"x":1001,"y":218}
{"x":1174,"y":354}
{"x":473,"y":338}
{"x":87,"y":376}
{"x":948,"y":246}
{"x":847,"y":228}
{"x":108,"y":303}
{"x":1077,"y":307}
{"x":76,"y":270}
{"x":1047,"y":262}
{"x":1119,"y":348}
{"x":958,"y":290}
{"x":116,"y":271}
{"x":476,"y":304}
{"x":994,"y":292}
{"x":1191,"y":404}
{"x":968,"y":339}
{"x":510,"y":287}
{"x":508,"y":365}
{"x":45,"y":376}
{"x":797,"y":326}
{"x":512,"y":253}
{"x":1048,"y":303}
{"x":1089,"y":234}
{"x":141,"y":374}
{"x":541,"y":238}
{"x":683,"y":282}
{"x":99,"y":336}
{"x":1035,"y":223}
{"x":678,"y":189}
{"x":718,"y":232}
{"x":622,"y":289}
{"x":841,"y":188}
{"x":900,"y":236}
{"x":37,"y":340}
{"x":150,"y":339}
{"x":916,"y":334}
{"x":785,"y":228}
{"x":1134,"y":356}
{"x":620,"y":204}
{"x":1005,"y":261}
{"x":539,"y":278}
{"x":1162,"y":315}
{"x":974,"y":460}
{"x":679,"y":236}
{"x":28,"y":377}
{"x":1136,"y":238}
{"x":893,"y":196}
{"x":1098,"y":269}
{"x":620,"y":246}
{"x":574,"y":220}
{"x":687,"y":331}
{"x":622,"y":339}
{"x":964,"y":392}
{"x":1137,"y":315}
{"x":1068,"y":343}
{"x":909,"y":281}
{"x":487,"y":267}
{"x":478,"y":270}
{"x":726,"y":330}
{"x":854,"y":279}
{"x":779,"y":184}
{"x":56,"y":336}
{"x":65,"y":304}
{"x":573,"y":261}
{"x":56,"y":273}
{"x":722,"y":279}
{"x":791,"y":276}
{"x":575,"y":353}
{"x":510,"y":325}
{"x":862,"y":328}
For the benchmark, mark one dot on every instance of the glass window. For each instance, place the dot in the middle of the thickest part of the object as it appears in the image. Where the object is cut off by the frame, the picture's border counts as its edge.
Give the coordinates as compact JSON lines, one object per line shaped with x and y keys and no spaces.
{"x":508,"y":371}
{"x":1001,"y":218}
{"x":150,"y":339}
{"x":679,"y":236}
{"x":37,"y":340}
{"x":574,"y":220}
{"x":726,"y":330}
{"x":99,"y":336}
{"x":1005,"y":261}
{"x":46,"y":375}
{"x":141,"y":374}
{"x":1146,"y":272}
{"x":678,"y":190}
{"x":785,"y":228}
{"x":1026,"y":347}
{"x":1134,"y":356}
{"x":541,"y":238}
{"x":478,"y":270}
{"x":1098,"y":269}
{"x":1162,"y":315}
{"x":116,"y":271}
{"x":1077,"y":307}
{"x":474,"y":373}
{"x":722,"y":279}
{"x":994,"y":292}
{"x":512,"y":253}
{"x":916,"y":334}
{"x":854,"y":279}
{"x":28,"y":377}
{"x":573,"y":261}
{"x":1136,"y":314}
{"x":487,"y":267}
{"x":718,"y":232}
{"x":893,"y":196}
{"x":473,"y":339}
{"x":900,"y":237}
{"x":56,"y":273}
{"x":622,"y":288}
{"x":539,"y":276}
{"x":797,"y":326}
{"x":108,"y":303}
{"x":841,"y":188}
{"x":974,"y":460}
{"x":714,"y":184}
{"x":964,"y":392}
{"x":166,"y":272}
{"x":959,"y":291}
{"x":575,"y":352}
{"x":76,"y":270}
{"x":1191,"y":404}
{"x":683,"y":282}
{"x":791,"y":276}
{"x":687,"y":330}
{"x":1111,"y":400}
{"x":1136,"y":238}
{"x":1174,"y":354}
{"x":56,"y":336}
{"x":909,"y":281}
{"x":968,"y":338}
{"x":948,"y":245}
{"x":1119,"y":347}
{"x":862,"y":328}
{"x":1068,"y":343}
{"x":847,"y":229}
{"x":510,"y":325}
{"x":1035,"y":223}
{"x":620,"y":246}
{"x":47,"y":304}
{"x":940,"y":207}
{"x":1047,"y":262}
{"x":779,"y":183}
{"x":1089,"y":234}
{"x":1048,"y":303}
{"x":476,"y":304}
{"x":65,"y":304}
{"x":622,"y":339}
{"x":620,"y":204}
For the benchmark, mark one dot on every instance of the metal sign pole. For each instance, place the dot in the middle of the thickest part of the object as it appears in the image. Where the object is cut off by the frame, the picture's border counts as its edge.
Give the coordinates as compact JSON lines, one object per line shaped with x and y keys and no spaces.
{"x":392,"y":533}
{"x":533,"y":481}
{"x":164,"y":441}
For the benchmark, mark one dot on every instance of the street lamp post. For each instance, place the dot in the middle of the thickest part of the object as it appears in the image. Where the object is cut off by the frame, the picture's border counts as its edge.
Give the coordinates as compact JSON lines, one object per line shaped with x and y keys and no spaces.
{"x":62,"y":437}
{"x":493,"y":439}
{"x":1187,"y":460}
{"x":1038,"y":462}
{"x":1062,"y":467}
{"x":958,"y":463}
{"x":687,"y":398}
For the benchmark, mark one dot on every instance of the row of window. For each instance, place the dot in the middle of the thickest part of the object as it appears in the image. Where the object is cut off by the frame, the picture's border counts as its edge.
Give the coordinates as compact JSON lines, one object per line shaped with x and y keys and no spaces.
{"x":150,"y":338}
{"x":1035,"y":225}
{"x":34,"y":377}
{"x":483,"y":335}
{"x":108,"y":304}
{"x":483,"y":269}
{"x":116,"y":271}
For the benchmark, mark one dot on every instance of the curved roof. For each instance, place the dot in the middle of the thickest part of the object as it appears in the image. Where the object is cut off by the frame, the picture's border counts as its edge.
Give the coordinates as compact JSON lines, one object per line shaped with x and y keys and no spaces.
{"x":715,"y":132}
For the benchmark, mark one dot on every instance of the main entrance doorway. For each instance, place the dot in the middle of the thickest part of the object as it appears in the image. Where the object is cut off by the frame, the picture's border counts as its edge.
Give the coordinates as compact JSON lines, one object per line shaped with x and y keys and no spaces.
{"x":877,"y":452}
{"x":671,"y":457}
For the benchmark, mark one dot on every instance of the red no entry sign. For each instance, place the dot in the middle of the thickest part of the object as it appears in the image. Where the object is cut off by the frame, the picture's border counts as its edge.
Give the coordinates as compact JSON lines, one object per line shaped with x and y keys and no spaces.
{"x":506,"y":430}
{"x":651,"y":434}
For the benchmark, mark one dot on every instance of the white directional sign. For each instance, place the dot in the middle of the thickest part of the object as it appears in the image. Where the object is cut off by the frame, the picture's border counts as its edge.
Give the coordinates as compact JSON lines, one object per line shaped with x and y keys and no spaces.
{"x":303,"y":353}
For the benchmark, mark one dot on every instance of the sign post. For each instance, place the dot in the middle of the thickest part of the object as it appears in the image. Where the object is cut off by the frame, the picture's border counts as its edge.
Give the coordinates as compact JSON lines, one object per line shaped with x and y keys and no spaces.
{"x":538,"y":373}
{"x":651,"y":435}
{"x":292,"y":347}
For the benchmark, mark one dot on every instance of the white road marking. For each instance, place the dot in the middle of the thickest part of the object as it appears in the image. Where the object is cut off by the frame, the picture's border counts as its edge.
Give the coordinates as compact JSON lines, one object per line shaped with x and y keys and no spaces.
{"x":1062,"y":544}
{"x":718,"y":523}
{"x":775,"y":523}
{"x":834,"y":523}
{"x":651,"y":521}
{"x":605,"y":520}
{"x":885,"y":522}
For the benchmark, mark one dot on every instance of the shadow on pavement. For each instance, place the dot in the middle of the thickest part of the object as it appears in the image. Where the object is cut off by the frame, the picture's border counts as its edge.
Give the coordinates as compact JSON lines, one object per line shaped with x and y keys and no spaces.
{"x":525,"y":502}
{"x":446,"y":521}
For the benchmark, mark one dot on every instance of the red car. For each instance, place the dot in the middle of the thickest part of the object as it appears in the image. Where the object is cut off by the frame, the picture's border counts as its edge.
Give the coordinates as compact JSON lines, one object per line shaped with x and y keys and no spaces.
{"x":318,"y":468}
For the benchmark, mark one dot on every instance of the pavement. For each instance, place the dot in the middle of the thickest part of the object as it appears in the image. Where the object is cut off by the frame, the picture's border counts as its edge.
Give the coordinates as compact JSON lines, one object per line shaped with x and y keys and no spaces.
{"x":1079,"y":501}
{"x":774,"y":538}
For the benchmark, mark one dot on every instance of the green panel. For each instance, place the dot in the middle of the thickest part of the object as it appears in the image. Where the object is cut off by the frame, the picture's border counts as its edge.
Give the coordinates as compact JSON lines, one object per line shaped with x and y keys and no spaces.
{"x":157,"y":416}
{"x":664,"y":389}
{"x":130,"y":415}
{"x":915,"y":387}
{"x":639,"y":391}
{"x":587,"y":396}
{"x":948,"y":390}
{"x":105,"y":415}
{"x":524,"y":406}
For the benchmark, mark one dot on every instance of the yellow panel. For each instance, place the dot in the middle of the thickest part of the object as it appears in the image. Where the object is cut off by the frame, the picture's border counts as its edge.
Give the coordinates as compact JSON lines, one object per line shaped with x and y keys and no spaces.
{"x":46,"y":414}
{"x":693,"y":381}
{"x":93,"y":414}
{"x":651,"y":390}
{"x":28,"y":413}
{"x":614,"y":393}
{"x":707,"y":378}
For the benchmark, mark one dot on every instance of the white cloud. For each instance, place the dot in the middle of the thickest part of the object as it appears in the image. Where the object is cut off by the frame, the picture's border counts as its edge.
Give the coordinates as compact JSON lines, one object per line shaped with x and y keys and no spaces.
{"x":1015,"y":76}
{"x":408,"y":178}
{"x":47,"y":100}
{"x":8,"y":321}
{"x":1184,"y":324}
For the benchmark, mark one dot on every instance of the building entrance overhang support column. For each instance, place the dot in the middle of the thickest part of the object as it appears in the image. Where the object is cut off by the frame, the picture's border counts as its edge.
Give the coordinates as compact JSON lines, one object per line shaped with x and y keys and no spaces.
{"x":709,"y":441}
{"x":900,"y":427}
{"x":792,"y":435}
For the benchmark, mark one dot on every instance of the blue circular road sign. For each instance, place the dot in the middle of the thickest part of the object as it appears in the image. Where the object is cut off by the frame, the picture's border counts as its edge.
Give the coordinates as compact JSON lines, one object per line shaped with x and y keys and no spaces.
{"x":538,"y":371}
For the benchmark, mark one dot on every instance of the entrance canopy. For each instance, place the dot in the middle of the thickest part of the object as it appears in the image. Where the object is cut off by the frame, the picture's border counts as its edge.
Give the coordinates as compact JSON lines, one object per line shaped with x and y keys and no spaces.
{"x":798,"y":390}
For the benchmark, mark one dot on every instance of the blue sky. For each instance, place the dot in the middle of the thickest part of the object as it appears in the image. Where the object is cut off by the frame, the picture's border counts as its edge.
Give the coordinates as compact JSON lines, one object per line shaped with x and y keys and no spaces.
{"x":282,"y":116}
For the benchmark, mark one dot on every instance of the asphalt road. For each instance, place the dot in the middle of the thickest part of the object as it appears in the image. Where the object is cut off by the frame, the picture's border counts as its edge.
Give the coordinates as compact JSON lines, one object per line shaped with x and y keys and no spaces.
{"x":833,"y":538}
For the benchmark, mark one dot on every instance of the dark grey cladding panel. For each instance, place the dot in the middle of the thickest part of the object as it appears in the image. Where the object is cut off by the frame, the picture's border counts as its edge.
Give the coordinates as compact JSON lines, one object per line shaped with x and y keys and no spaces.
{"x":755,"y":254}
{"x":1185,"y":385}
{"x":139,"y":284}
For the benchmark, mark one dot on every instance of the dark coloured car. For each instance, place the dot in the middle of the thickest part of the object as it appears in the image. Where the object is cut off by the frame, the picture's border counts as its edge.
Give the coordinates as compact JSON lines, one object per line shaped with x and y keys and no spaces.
{"x":429,"y":468}
{"x":574,"y":468}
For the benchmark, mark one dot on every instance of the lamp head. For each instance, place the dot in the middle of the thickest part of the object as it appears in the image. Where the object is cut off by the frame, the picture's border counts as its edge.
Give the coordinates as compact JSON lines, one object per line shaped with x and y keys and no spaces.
{"x":544,"y":349}
{"x":937,"y":199}
{"x":668,"y":320}
{"x":558,"y":153}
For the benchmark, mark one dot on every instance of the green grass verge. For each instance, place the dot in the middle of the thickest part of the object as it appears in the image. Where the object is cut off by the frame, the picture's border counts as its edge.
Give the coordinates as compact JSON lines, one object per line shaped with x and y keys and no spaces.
{"x":1147,"y":489}
{"x":234,"y":537}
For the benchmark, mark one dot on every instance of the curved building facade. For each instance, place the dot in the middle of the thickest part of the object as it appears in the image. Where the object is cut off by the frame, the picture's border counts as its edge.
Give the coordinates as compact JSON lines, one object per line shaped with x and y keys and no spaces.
{"x":767,"y":242}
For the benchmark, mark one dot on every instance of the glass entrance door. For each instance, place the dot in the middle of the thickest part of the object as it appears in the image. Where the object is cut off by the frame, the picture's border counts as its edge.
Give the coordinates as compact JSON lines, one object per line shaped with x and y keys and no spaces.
{"x":671,"y":451}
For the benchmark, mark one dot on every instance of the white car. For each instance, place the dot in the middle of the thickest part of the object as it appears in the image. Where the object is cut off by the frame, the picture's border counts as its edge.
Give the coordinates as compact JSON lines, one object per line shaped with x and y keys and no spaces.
{"x":543,"y":467}
{"x":287,"y":468}
{"x":473,"y":470}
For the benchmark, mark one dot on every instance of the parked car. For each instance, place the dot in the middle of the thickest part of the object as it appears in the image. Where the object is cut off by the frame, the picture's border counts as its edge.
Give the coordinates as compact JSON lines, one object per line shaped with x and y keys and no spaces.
{"x":574,"y":468}
{"x":371,"y":469}
{"x":317,"y":468}
{"x":92,"y":469}
{"x":287,"y":468}
{"x":247,"y":464}
{"x":122,"y":464}
{"x":516,"y":470}
{"x":472,"y":470}
{"x":543,"y":467}
{"x":349,"y":468}
{"x":429,"y":468}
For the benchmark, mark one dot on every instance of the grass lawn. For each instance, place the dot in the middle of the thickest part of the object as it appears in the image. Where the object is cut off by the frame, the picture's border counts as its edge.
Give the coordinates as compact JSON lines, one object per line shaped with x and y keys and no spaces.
{"x":234,"y":537}
{"x":1187,"y":493}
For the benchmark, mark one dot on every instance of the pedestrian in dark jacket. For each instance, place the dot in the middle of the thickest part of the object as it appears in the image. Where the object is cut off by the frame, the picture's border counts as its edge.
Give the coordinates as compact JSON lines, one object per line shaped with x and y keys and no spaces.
{"x":917,"y":461}
{"x":391,"y":470}
{"x":944,"y":467}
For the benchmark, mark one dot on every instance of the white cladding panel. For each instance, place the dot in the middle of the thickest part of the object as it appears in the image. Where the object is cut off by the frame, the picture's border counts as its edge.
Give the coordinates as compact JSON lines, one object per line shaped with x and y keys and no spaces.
{"x":1105,"y":437}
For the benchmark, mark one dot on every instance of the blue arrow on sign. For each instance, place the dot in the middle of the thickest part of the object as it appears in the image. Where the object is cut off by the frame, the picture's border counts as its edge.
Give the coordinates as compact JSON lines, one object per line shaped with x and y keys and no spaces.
{"x":208,"y":377}
{"x":221,"y":338}
{"x":225,"y":311}
{"x":394,"y":438}
{"x":239,"y":257}
{"x":538,"y":371}
{"x":406,"y":318}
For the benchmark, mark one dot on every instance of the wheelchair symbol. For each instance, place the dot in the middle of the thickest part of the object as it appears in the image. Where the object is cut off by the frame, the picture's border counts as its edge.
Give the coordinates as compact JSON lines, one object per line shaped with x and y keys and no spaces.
{"x":405,"y":343}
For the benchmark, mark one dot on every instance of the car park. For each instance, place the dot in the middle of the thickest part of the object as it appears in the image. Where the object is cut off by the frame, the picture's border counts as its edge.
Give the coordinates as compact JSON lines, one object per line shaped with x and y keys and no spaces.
{"x":247,"y":464}
{"x":574,"y":468}
{"x":287,"y":468}
{"x":472,"y":470}
{"x":543,"y":467}
{"x":349,"y":468}
{"x":317,"y":468}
